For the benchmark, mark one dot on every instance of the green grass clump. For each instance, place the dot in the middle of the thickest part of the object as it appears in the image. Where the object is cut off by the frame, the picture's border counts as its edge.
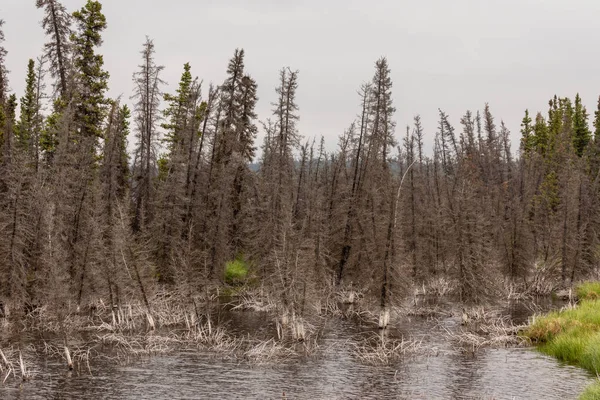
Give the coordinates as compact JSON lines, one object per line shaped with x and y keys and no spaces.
{"x":571,"y":335}
{"x":588,"y":291}
{"x":569,"y":346}
{"x":578,"y":321}
{"x":592,"y":392}
{"x":590,"y":358}
{"x":236,"y":271}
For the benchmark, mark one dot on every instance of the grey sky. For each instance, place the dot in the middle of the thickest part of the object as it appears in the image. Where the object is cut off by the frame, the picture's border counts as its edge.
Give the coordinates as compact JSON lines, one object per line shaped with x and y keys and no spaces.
{"x":455,"y":55}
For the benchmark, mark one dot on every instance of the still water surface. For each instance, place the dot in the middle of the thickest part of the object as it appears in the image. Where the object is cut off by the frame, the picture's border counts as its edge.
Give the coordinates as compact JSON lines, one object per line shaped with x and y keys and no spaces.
{"x":513,"y":373}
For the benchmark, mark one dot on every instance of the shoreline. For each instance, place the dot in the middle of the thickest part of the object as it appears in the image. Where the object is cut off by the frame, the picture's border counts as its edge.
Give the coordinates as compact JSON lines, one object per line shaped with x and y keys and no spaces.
{"x":572,"y":334}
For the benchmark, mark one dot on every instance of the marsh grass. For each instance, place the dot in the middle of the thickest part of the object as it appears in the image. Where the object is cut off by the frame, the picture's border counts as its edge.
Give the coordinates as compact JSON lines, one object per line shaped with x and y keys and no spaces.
{"x":13,"y":361}
{"x":488,"y":330}
{"x":338,"y":308}
{"x":268,"y":351}
{"x":207,"y":337}
{"x":378,"y":349}
{"x":439,"y":287}
{"x":578,"y":322}
{"x":253,"y":300}
{"x":428,"y":311}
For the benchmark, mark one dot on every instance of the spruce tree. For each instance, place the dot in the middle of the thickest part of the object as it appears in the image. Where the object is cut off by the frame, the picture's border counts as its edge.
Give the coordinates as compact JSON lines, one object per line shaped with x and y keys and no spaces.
{"x":10,"y":123}
{"x":597,"y":122}
{"x":147,"y":94}
{"x":11,"y":110}
{"x":3,"y":70}
{"x":3,"y":88}
{"x":468,"y":135}
{"x":285,"y":110}
{"x":177,"y":113}
{"x":246,"y":127}
{"x":114,"y":179}
{"x":287,"y":138}
{"x":122,"y":159}
{"x":230,"y":99}
{"x":174,"y":172}
{"x":80,"y":126}
{"x":554,"y":115}
{"x":38,"y":117}
{"x":277,"y":173}
{"x":233,"y":148}
{"x":91,"y":78}
{"x":57,"y":26}
{"x":560,"y":125}
{"x":29,"y":109}
{"x":595,"y":152}
{"x":49,"y":134}
{"x":540,"y":135}
{"x":527,"y":136}
{"x":490,"y":128}
{"x":382,"y":134}
{"x":581,"y":130}
{"x":238,"y":98}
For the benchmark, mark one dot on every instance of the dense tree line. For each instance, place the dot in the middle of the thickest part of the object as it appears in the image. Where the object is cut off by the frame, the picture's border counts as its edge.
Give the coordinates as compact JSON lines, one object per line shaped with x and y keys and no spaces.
{"x":81,"y":218}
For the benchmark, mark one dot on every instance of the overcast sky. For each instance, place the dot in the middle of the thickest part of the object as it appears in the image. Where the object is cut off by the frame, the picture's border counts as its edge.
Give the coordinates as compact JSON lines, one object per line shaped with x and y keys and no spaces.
{"x":454,"y":55}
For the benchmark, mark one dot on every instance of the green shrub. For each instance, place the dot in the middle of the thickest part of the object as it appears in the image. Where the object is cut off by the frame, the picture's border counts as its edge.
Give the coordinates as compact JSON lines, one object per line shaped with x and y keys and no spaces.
{"x":236,"y":271}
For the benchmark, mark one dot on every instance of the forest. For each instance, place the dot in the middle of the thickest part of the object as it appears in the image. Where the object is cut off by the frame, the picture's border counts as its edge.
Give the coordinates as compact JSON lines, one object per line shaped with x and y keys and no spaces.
{"x":199,"y":207}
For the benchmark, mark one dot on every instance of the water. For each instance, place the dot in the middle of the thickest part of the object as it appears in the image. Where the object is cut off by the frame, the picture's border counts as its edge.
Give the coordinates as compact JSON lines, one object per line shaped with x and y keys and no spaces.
{"x":507,"y":373}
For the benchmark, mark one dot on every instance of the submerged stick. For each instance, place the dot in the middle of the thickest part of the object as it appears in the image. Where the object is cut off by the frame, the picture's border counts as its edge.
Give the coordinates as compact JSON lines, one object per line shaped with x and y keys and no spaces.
{"x":7,"y":375}
{"x":24,"y":374}
{"x":384,"y":318}
{"x":4,"y":358}
{"x":150,"y":321}
{"x":68,"y":357}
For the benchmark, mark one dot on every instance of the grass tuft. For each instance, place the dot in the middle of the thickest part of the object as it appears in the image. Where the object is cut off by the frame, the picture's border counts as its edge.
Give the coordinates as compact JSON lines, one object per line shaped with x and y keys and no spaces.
{"x":592,"y":392}
{"x":588,"y":291}
{"x":582,"y":319}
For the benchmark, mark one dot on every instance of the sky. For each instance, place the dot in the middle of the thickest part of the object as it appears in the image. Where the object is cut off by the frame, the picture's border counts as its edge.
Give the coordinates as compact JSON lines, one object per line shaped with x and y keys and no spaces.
{"x":454,"y":55}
